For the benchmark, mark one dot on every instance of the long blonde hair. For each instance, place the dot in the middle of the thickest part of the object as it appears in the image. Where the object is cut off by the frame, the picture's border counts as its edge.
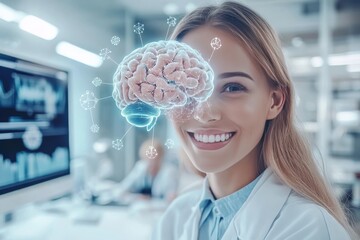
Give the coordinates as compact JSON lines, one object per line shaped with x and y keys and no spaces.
{"x":283,"y":148}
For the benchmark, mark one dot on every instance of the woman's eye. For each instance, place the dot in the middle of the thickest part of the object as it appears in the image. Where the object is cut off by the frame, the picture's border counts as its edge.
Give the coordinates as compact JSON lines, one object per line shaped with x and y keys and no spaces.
{"x":233,"y":87}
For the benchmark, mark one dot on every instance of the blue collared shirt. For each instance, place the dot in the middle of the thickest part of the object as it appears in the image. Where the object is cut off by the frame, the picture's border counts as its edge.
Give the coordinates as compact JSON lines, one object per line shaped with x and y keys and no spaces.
{"x":216,"y":214}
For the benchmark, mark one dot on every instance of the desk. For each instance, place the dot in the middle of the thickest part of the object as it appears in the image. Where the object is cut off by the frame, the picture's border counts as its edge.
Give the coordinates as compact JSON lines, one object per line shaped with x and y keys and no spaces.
{"x":134,"y":222}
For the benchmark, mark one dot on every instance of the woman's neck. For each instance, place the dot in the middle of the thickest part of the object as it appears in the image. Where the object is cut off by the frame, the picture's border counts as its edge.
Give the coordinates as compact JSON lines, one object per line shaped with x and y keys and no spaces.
{"x":236,"y":177}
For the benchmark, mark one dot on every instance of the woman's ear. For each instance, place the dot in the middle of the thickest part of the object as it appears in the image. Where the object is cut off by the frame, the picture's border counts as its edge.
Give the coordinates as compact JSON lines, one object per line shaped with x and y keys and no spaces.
{"x":277,"y":103}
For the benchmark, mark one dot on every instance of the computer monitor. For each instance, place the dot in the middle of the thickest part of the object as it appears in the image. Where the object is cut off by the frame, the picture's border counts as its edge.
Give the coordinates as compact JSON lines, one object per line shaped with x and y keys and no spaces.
{"x":34,"y":132}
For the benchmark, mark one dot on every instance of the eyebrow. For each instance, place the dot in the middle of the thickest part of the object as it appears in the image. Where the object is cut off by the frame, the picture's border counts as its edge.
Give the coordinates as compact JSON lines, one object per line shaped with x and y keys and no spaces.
{"x":234,"y":74}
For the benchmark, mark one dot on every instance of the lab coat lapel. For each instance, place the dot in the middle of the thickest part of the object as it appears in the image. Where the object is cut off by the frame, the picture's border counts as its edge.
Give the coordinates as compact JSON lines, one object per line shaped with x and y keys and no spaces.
{"x":255,"y":217}
{"x":191,"y":228}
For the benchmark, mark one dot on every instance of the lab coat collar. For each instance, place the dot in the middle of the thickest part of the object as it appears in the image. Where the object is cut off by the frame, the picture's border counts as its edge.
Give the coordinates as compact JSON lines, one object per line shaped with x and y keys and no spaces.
{"x":265,"y":202}
{"x":192,"y":225}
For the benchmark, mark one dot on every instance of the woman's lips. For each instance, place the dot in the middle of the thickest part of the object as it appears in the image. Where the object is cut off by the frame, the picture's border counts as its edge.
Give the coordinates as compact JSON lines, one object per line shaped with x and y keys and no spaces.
{"x":208,"y":145}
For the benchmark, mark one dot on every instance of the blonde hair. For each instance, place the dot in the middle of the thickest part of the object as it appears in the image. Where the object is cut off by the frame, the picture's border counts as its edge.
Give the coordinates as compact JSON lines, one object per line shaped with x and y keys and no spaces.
{"x":294,"y":164}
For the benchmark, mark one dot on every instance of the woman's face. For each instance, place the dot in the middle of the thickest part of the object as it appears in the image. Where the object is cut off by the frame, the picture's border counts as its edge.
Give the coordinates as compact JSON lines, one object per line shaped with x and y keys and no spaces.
{"x":224,"y":131}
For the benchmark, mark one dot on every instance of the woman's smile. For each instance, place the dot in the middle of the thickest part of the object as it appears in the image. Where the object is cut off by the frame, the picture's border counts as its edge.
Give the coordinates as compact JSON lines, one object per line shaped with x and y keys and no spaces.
{"x":210,"y":139}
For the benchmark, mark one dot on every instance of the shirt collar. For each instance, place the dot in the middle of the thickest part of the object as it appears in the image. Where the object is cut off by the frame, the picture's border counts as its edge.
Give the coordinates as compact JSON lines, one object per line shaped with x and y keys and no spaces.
{"x":206,"y":195}
{"x":229,"y":204}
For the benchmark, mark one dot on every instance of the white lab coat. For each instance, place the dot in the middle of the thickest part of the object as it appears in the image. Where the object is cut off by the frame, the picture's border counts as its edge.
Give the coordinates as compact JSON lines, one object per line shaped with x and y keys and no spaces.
{"x":164,"y":185}
{"x":272,"y":211}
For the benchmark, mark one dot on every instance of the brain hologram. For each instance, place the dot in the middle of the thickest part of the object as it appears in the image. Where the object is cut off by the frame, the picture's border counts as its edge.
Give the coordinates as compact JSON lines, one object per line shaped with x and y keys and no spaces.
{"x":160,"y":75}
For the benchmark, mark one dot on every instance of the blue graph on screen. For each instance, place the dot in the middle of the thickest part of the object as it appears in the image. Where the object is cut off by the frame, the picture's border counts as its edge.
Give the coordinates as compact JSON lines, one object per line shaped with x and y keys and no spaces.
{"x":31,"y":165}
{"x":38,"y":95}
{"x":6,"y":96}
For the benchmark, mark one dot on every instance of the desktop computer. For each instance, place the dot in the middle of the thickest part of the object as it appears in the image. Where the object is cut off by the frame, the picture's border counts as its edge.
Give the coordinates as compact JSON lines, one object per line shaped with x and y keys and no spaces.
{"x":34,"y":132}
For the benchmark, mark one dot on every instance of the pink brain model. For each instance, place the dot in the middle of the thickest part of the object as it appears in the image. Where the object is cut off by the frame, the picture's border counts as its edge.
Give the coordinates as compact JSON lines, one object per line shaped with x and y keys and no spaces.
{"x":163,"y":74}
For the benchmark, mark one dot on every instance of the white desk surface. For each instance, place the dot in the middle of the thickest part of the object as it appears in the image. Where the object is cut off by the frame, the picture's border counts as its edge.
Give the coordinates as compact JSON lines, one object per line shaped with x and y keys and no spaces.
{"x":134,"y":222}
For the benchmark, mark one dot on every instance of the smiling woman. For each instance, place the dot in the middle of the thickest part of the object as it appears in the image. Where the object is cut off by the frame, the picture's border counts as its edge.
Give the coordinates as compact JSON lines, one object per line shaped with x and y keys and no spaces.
{"x":260,"y":171}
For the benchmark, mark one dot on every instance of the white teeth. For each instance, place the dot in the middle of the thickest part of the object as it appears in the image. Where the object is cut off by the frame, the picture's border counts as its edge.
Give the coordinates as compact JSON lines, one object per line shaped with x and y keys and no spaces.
{"x":227,"y":136}
{"x":222,"y":137}
{"x":212,"y":138}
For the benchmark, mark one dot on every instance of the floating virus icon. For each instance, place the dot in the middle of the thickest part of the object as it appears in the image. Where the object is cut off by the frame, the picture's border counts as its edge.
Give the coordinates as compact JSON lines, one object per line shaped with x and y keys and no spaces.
{"x":171,"y":21}
{"x":88,"y":100}
{"x":215,"y":43}
{"x":115,"y":40}
{"x":151,"y":152}
{"x":117,"y":144}
{"x":94,"y":128}
{"x":104,"y":53}
{"x":97,"y":82}
{"x":139,"y":28}
{"x":169,"y":143}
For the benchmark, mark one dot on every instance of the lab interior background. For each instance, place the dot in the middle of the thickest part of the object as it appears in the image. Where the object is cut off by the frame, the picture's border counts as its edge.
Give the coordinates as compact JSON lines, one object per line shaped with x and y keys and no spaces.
{"x":320,"y":39}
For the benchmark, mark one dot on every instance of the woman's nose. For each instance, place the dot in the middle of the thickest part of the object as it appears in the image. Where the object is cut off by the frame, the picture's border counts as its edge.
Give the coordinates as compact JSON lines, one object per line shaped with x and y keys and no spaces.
{"x":206,"y":112}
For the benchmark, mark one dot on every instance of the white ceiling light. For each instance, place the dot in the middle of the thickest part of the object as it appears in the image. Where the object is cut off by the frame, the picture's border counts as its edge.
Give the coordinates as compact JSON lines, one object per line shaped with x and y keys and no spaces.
{"x":8,"y":14}
{"x":171,"y":9}
{"x":78,"y":54}
{"x":38,"y":27}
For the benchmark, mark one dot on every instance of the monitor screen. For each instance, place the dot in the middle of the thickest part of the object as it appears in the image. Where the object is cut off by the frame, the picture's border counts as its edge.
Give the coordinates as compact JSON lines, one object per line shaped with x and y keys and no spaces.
{"x":34,"y":128}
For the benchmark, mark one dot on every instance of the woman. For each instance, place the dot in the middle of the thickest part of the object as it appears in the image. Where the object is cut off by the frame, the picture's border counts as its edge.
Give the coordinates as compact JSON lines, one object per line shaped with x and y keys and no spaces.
{"x":262,"y":180}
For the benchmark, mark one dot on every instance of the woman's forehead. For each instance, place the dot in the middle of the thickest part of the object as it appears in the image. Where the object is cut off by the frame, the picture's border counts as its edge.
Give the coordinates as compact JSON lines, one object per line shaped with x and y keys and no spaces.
{"x":230,"y":57}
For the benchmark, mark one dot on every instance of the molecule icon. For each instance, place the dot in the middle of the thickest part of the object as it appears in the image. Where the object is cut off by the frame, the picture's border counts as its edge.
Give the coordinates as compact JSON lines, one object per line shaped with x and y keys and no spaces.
{"x":151,"y":152}
{"x":171,"y":21}
{"x":97,"y":82}
{"x":115,"y":40}
{"x":139,"y":28}
{"x":88,"y":100}
{"x":94,"y":128}
{"x":104,"y":53}
{"x":215,"y":43}
{"x":117,"y":144}
{"x":169,"y":143}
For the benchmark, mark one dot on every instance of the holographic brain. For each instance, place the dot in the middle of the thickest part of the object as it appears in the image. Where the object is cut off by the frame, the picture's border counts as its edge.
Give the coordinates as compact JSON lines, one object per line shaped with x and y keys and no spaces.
{"x":160,"y":75}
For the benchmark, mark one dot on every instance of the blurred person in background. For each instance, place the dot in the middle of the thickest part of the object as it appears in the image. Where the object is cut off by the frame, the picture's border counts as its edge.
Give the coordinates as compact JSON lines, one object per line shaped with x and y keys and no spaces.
{"x":152,"y":176}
